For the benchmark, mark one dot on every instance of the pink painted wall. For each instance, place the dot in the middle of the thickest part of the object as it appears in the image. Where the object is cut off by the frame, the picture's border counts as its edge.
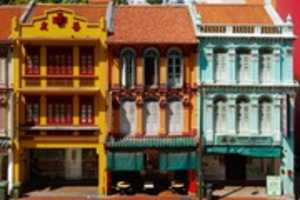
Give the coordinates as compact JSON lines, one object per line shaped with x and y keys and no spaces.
{"x":292,"y":7}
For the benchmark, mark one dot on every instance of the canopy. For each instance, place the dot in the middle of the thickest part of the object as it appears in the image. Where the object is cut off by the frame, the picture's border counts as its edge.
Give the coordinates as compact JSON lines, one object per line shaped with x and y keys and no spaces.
{"x":254,"y":151}
{"x":125,"y":161}
{"x":178,"y":161}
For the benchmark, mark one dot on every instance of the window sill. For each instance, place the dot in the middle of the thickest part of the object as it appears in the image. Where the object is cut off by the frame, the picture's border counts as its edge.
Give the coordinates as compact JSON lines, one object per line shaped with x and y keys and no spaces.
{"x":61,"y":128}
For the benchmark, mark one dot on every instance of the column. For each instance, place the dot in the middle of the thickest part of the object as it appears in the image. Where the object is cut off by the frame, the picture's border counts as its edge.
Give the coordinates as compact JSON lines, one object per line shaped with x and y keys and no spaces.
{"x":115,"y":71}
{"x":76,"y":114}
{"x":287,"y":159}
{"x":276,"y":65}
{"x":187,"y":118}
{"x":255,"y":65}
{"x":231,"y":114}
{"x":277,"y":119}
{"x":76,"y":67}
{"x":288,"y":65}
{"x":231,"y":60}
{"x":254,"y":113}
{"x":102,"y":172}
{"x":163,"y":116}
{"x":208,"y":75}
{"x":186,"y":69}
{"x":208,"y":120}
{"x":43,"y":112}
{"x":140,"y":118}
{"x":163,"y":72}
{"x":140,"y":71}
{"x":43,"y":65}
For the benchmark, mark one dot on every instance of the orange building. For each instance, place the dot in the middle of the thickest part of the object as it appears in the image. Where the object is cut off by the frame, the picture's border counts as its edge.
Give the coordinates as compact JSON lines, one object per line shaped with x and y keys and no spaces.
{"x":152,"y":88}
{"x":60,"y":83}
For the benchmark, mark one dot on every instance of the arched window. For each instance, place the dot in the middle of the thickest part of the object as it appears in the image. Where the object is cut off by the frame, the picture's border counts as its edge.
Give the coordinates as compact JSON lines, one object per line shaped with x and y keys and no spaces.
{"x":220,"y":112}
{"x":242,"y":115}
{"x":174,"y":117}
{"x":151,"y":118}
{"x":151,"y":71}
{"x":175,"y":69}
{"x":128,"y":68}
{"x":220,"y":57}
{"x":265,"y":115}
{"x":243,"y":61}
{"x":127,"y":117}
{"x":265,"y":65}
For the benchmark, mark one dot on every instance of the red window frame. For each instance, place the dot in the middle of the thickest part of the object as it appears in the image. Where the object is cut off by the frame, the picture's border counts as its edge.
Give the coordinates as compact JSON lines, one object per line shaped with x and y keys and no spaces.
{"x":32,"y":61}
{"x":59,"y":111}
{"x":87,"y":60}
{"x":87,"y":111}
{"x":32,"y":111}
{"x":59,"y":60}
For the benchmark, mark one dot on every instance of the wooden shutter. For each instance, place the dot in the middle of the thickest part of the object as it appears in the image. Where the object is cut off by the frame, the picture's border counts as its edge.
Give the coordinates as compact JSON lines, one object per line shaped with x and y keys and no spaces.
{"x":175,"y":118}
{"x":220,"y":67}
{"x":151,"y":112}
{"x":2,"y":118}
{"x":128,"y":117}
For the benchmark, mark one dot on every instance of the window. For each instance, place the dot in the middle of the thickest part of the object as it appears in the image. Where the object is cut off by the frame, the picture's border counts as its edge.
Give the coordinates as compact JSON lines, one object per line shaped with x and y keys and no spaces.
{"x":86,"y":60}
{"x":265,"y":66}
{"x":32,"y":111}
{"x":220,"y":112}
{"x":265,"y":115}
{"x":128,"y":117}
{"x":151,"y":62}
{"x":175,"y":117}
{"x":128,"y":68}
{"x":59,"y":111}
{"x":220,"y":56}
{"x":60,"y":61}
{"x":243,"y":113}
{"x":4,"y":57}
{"x":32,"y":60}
{"x":175,"y":69}
{"x":86,"y":110}
{"x":243,"y":65}
{"x":151,"y":118}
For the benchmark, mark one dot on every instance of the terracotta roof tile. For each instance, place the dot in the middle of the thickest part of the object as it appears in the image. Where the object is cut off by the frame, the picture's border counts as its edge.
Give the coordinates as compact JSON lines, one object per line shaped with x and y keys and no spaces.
{"x":6,"y":15}
{"x":233,"y":14}
{"x":152,"y":24}
{"x":93,"y":13}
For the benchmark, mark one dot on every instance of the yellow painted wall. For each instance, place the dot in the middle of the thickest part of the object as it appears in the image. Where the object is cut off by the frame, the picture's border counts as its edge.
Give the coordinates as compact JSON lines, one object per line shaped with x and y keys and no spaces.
{"x":92,"y":34}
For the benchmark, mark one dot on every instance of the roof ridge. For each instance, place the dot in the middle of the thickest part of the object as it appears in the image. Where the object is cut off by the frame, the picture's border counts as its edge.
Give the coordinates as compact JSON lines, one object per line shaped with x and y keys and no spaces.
{"x":229,"y":5}
{"x":69,"y":4}
{"x":152,"y":6}
{"x":13,"y":6}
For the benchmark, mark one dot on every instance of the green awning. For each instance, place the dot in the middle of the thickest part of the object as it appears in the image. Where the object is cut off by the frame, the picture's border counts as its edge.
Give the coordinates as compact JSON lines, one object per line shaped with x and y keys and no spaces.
{"x":256,"y":151}
{"x":178,"y":161}
{"x":155,"y":142}
{"x":125,"y":161}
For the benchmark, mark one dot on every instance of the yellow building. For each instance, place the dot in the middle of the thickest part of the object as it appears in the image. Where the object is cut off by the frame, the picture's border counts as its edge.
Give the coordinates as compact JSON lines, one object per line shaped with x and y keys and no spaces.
{"x":60,"y":83}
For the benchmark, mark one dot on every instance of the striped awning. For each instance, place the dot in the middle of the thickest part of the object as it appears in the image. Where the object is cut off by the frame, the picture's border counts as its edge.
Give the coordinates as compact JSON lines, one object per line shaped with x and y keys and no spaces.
{"x":5,"y":143}
{"x":155,"y":142}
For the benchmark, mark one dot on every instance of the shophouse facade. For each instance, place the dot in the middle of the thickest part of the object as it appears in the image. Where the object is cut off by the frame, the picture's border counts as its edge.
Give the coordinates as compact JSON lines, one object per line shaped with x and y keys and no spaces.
{"x":247,"y":94}
{"x":7,"y":13}
{"x":152,"y":93}
{"x":60,"y":85}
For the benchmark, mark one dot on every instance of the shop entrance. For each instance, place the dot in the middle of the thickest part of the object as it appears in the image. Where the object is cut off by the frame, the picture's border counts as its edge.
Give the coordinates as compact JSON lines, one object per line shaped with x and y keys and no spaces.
{"x":60,"y":166}
{"x":235,"y":167}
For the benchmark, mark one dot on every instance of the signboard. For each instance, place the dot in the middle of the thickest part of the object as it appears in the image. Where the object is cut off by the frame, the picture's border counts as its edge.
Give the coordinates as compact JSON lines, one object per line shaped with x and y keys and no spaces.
{"x":244,"y":140}
{"x":274,"y":185}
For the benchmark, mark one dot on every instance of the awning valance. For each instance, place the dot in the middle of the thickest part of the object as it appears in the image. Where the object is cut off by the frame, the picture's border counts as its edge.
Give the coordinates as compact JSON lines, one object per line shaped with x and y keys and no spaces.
{"x":254,"y":151}
{"x":182,"y":142}
{"x":178,"y":161}
{"x":125,"y":161}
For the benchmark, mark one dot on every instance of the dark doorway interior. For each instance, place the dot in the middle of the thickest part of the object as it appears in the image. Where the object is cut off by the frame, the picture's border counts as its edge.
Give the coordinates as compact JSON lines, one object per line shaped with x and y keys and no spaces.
{"x":235,"y":167}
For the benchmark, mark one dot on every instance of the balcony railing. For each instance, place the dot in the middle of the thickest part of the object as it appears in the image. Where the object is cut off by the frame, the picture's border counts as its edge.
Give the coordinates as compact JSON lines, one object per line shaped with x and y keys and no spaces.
{"x":245,"y":30}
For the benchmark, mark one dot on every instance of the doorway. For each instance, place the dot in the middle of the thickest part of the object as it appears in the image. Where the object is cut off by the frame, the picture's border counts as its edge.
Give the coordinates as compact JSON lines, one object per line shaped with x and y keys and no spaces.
{"x":235,"y":167}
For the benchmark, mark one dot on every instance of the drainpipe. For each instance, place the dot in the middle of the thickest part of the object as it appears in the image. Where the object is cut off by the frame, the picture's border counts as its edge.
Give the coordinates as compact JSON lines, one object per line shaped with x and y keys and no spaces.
{"x":27,"y":11}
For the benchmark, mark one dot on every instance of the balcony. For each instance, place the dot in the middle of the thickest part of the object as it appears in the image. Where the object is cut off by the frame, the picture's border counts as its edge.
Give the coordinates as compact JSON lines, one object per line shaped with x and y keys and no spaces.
{"x":213,"y":30}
